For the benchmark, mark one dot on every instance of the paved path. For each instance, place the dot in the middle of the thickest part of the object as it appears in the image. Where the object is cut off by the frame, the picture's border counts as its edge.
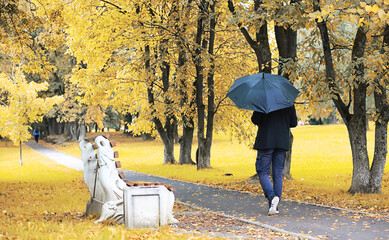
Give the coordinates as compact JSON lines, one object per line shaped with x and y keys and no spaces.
{"x":59,"y":157}
{"x":300,"y":219}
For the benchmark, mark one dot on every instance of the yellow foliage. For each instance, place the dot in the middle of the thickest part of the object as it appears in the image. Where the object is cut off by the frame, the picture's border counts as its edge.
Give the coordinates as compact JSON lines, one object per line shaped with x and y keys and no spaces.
{"x":21,"y":106}
{"x":110,"y":40}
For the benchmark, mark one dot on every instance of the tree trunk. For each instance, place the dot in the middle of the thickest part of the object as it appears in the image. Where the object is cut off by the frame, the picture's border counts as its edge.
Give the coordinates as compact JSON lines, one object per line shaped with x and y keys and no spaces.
{"x":175,"y":133}
{"x":288,"y":159}
{"x":186,"y":141}
{"x":168,"y":156}
{"x":67,"y":130}
{"x":330,"y":70}
{"x":262,"y":50}
{"x":76,"y":131}
{"x":170,"y":121}
{"x":51,"y":126}
{"x":203,"y":156}
{"x":72,"y":131}
{"x":211,"y":90}
{"x":357,"y":126}
{"x":286,"y":39}
{"x":379,"y":160}
{"x":381,"y":125}
{"x":165,"y":132}
{"x":82,"y":134}
{"x":358,"y":142}
{"x":200,"y":160}
{"x":20,"y":153}
{"x":168,"y":141}
{"x":127,"y":122}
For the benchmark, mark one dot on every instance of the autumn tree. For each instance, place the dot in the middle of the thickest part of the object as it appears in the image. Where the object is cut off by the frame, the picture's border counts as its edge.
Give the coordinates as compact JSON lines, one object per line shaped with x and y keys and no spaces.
{"x":127,"y":62}
{"x":20,"y":106}
{"x":35,"y":42}
{"x":351,"y":63}
{"x":21,"y":56}
{"x":68,"y":118}
{"x":218,"y":57}
{"x":206,"y":17}
{"x":144,"y":58}
{"x":254,"y":21}
{"x":258,"y":24}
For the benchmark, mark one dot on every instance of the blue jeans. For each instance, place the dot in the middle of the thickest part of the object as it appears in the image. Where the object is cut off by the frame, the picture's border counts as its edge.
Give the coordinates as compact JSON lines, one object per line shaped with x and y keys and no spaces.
{"x":275,"y":157}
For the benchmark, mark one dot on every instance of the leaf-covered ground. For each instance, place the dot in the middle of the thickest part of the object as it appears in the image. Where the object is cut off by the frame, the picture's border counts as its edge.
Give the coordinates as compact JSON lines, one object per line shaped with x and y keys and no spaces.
{"x":202,"y":222}
{"x":43,"y":200}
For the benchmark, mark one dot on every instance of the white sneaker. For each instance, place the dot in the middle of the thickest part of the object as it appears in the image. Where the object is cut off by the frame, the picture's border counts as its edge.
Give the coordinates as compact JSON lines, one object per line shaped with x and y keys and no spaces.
{"x":274,"y":205}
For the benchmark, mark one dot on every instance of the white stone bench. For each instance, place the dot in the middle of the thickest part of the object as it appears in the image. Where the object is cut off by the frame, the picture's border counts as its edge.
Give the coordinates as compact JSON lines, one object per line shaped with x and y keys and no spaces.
{"x":142,"y":204}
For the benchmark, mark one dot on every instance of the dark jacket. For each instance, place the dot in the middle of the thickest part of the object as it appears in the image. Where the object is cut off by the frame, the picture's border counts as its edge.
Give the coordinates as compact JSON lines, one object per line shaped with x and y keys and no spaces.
{"x":273,"y":128}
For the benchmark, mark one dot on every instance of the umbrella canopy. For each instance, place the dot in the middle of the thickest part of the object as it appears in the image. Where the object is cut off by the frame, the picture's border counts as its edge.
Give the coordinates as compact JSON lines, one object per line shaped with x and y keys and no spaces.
{"x":262,"y":92}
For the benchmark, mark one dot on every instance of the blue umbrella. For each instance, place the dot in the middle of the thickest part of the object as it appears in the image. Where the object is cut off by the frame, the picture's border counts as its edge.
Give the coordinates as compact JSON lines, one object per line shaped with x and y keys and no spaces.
{"x":262,"y":92}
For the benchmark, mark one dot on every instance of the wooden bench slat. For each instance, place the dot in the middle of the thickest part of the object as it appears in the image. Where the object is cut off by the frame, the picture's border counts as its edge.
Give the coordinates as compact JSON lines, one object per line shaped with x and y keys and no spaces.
{"x":118,"y":164}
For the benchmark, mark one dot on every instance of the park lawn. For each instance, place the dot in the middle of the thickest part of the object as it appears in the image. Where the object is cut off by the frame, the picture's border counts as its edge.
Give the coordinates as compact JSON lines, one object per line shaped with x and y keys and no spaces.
{"x":321,"y":166}
{"x":42,"y":200}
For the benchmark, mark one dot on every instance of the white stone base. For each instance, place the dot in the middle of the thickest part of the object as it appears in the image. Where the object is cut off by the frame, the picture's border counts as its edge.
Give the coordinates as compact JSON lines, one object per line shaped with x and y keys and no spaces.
{"x":147,"y":206}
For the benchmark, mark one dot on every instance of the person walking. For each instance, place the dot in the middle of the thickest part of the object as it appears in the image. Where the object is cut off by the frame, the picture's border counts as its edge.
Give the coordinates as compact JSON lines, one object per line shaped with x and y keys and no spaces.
{"x":36,"y":134}
{"x":272,"y":143}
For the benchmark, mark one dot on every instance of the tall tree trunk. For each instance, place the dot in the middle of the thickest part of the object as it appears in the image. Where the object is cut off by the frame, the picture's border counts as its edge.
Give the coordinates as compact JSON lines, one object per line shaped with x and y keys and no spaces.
{"x":170,"y":121}
{"x":286,"y":39}
{"x":211,"y":111}
{"x":186,"y":140}
{"x":381,"y":125}
{"x":200,"y":160}
{"x":165,"y":132}
{"x":205,"y":134}
{"x":357,"y":125}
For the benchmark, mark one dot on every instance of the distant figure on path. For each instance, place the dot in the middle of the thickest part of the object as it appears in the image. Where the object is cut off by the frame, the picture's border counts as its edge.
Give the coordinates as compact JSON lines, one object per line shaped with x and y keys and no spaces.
{"x":36,"y":134}
{"x":272,"y":143}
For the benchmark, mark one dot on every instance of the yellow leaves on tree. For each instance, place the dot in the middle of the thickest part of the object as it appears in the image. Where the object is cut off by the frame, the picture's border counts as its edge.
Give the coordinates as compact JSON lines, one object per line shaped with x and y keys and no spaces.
{"x":94,"y":114}
{"x":20,"y":105}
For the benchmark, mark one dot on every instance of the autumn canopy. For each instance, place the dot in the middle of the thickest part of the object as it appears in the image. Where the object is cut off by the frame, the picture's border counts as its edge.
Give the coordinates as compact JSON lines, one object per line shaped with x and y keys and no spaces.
{"x":169,"y":64}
